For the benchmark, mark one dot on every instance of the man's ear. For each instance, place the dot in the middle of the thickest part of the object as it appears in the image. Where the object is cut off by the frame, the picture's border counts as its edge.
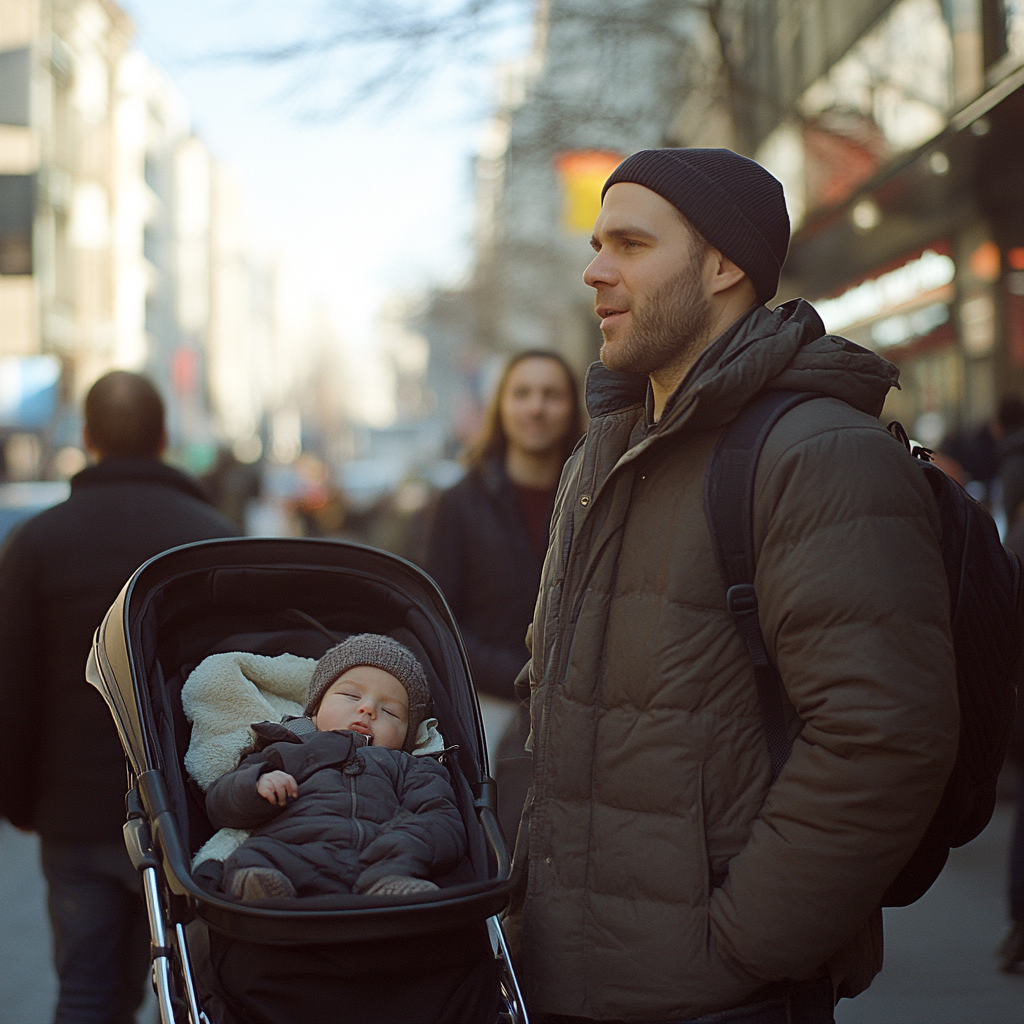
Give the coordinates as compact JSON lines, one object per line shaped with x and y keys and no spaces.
{"x":723,"y":274}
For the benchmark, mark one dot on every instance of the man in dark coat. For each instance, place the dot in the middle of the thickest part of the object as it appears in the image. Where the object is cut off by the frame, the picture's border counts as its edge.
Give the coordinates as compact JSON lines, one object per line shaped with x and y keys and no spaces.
{"x":668,"y":877}
{"x":62,"y":770}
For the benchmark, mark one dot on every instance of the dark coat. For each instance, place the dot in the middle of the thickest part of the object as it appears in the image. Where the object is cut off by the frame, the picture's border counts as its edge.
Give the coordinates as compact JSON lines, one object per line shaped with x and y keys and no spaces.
{"x":479,"y":553}
{"x":62,"y":770}
{"x":668,"y":877}
{"x":362,"y":812}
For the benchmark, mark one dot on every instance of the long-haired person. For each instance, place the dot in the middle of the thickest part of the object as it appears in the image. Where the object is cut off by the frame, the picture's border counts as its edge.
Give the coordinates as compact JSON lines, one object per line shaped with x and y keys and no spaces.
{"x":490,"y":533}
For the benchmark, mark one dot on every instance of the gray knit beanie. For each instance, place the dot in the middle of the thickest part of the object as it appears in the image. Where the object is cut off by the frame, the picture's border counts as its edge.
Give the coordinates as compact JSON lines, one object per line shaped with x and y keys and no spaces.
{"x":379,"y":652}
{"x":731,"y":200}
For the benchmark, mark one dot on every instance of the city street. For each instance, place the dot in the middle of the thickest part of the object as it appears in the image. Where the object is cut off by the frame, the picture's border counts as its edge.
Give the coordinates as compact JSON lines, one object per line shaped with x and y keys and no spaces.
{"x":939,"y":958}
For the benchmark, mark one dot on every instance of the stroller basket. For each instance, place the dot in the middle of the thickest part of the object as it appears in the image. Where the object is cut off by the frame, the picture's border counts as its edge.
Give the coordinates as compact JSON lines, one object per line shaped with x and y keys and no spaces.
{"x":271,"y":597}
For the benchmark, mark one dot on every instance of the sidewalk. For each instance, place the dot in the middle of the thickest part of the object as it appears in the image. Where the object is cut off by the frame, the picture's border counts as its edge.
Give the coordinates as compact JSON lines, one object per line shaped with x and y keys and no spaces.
{"x":28,"y":985}
{"x":939,"y":953}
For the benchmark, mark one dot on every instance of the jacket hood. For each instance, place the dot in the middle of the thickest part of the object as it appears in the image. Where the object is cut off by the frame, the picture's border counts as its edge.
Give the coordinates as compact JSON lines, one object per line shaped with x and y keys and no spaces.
{"x":132,"y":470}
{"x":785,"y":349}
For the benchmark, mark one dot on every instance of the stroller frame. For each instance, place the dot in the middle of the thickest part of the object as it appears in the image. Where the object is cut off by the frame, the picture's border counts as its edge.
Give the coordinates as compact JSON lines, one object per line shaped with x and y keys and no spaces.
{"x":118,"y":667}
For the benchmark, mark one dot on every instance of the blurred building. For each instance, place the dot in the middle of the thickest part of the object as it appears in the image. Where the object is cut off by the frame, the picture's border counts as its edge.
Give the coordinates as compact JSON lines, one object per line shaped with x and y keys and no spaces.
{"x":895,"y":127}
{"x":601,"y":81}
{"x":122,"y":242}
{"x":904,"y":166}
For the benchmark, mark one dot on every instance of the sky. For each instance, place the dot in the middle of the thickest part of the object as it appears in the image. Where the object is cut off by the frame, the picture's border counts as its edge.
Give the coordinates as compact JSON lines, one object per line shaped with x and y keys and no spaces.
{"x":356,"y":208}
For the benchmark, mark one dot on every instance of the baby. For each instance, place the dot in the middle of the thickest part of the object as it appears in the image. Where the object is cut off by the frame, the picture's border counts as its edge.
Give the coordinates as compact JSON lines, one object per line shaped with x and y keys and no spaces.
{"x":338,"y":803}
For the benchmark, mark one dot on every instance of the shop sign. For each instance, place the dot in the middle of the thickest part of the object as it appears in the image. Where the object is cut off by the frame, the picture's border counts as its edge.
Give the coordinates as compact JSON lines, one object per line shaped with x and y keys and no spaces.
{"x":887,"y":291}
{"x":904,"y":327}
{"x":583,"y":174}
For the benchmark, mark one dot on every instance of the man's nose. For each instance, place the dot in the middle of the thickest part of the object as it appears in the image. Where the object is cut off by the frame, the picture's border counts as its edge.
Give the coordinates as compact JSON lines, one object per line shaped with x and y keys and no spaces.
{"x":368,"y":708}
{"x":600,"y":271}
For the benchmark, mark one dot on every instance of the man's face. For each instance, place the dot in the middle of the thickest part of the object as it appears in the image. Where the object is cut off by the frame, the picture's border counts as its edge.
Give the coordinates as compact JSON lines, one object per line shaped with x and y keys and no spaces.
{"x":366,"y":700}
{"x":649,"y":278}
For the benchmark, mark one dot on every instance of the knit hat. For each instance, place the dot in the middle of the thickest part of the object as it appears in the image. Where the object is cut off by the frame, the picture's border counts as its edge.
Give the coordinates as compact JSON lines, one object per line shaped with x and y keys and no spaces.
{"x":732,"y":201}
{"x":379,"y":652}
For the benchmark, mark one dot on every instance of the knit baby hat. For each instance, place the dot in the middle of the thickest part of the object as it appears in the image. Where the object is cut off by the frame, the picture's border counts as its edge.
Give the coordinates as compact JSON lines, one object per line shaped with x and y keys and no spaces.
{"x":731,"y":200}
{"x":379,"y":652}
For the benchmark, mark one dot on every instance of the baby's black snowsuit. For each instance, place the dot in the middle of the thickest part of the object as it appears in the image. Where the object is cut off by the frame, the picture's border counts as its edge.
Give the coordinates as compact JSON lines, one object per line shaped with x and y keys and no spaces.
{"x":362,"y":812}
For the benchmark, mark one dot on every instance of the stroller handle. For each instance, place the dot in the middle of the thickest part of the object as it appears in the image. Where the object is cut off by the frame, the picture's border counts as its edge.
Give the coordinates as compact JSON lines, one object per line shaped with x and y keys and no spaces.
{"x":485,"y":800}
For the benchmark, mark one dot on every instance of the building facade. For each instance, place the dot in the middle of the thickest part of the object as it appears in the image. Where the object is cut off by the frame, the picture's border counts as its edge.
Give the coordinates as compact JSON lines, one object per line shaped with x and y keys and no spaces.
{"x":904,"y":167}
{"x":122,"y":242}
{"x":894,"y":125}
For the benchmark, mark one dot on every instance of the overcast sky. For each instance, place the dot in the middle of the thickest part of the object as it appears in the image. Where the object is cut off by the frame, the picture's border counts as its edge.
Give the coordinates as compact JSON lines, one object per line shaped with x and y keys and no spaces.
{"x":359,"y":207}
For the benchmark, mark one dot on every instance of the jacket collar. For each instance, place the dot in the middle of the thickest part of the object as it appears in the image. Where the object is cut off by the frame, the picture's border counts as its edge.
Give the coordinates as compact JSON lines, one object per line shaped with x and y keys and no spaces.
{"x":130,"y":470}
{"x":611,"y":391}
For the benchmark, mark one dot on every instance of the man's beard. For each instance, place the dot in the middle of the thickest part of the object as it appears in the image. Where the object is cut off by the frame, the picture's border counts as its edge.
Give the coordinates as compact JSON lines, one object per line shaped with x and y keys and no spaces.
{"x":669,"y":328}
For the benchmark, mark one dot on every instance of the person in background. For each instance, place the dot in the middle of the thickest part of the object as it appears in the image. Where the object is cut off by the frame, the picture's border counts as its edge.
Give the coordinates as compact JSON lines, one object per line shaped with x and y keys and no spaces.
{"x":980,"y":454}
{"x":1010,"y":954}
{"x":489,"y":536}
{"x":62,"y":769}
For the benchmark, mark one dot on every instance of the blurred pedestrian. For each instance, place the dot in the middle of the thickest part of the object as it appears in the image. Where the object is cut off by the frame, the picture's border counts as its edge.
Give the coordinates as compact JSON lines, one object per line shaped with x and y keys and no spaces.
{"x":668,"y":876}
{"x":1009,"y":432}
{"x":981,"y":455}
{"x":489,"y":537}
{"x":62,"y":769}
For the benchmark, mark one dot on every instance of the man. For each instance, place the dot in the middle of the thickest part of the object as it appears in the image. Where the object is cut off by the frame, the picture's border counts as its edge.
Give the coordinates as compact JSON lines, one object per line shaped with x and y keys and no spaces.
{"x":62,"y":770}
{"x":668,"y":879}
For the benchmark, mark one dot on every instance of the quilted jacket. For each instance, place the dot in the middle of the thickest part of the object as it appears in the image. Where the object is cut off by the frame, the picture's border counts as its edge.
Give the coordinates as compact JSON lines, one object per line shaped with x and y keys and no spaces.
{"x":667,"y":877}
{"x":362,"y":812}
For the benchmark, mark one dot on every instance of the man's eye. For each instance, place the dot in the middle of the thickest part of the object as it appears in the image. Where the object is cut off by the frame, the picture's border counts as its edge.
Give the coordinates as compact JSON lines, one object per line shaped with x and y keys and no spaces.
{"x":351,"y":696}
{"x":391,"y":713}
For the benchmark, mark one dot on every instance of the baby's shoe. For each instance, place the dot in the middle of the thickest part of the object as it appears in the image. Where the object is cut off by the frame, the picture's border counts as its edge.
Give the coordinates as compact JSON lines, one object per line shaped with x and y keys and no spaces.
{"x":399,"y":885}
{"x":258,"y":884}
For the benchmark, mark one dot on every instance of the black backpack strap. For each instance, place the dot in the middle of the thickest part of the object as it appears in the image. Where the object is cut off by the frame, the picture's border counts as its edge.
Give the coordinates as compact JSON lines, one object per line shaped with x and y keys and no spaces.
{"x":729,"y":505}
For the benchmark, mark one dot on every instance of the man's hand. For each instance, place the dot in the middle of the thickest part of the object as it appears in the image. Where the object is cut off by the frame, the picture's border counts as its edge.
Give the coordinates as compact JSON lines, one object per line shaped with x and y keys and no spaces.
{"x":277,"y":787}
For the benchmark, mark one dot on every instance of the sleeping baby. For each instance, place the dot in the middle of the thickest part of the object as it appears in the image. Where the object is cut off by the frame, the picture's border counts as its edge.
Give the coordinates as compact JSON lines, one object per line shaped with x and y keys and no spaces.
{"x":336,"y":801}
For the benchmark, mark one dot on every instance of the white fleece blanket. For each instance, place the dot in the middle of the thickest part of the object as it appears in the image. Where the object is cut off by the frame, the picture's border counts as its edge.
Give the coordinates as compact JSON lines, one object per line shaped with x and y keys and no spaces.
{"x":224,"y":695}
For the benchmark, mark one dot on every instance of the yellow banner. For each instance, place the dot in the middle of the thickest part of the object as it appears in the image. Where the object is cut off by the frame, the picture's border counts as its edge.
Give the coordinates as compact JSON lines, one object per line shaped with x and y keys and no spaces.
{"x":583,"y":174}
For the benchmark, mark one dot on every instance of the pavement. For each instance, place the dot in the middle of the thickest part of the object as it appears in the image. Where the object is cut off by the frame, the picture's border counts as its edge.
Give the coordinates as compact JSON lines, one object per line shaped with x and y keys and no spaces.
{"x":28,"y":985}
{"x":939,"y":965}
{"x":939,"y":952}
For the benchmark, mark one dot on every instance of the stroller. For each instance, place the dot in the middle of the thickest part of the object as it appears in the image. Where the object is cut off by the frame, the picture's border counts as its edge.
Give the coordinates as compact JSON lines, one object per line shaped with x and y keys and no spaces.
{"x":436,"y":957}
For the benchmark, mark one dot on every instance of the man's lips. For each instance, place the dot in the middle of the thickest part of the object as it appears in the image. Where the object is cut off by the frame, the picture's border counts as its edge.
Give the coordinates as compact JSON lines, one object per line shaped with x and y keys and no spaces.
{"x":610,"y":315}
{"x":359,"y":727}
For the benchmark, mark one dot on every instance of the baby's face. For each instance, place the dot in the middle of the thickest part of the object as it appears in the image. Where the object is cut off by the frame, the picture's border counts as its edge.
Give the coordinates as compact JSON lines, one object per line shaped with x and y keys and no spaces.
{"x":367,"y":700}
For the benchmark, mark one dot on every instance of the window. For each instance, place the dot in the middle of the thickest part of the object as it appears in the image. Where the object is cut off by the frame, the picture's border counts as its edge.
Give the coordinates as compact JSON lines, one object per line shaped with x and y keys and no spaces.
{"x":14,"y":79}
{"x":17,"y":208}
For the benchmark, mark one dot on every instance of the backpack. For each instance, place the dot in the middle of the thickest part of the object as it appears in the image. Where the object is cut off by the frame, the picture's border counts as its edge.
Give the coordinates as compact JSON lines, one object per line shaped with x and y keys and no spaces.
{"x":986,"y":615}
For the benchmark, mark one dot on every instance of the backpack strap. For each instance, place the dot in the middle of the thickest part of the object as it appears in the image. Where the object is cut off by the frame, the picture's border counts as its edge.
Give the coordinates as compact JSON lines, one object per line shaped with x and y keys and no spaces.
{"x":729,"y":506}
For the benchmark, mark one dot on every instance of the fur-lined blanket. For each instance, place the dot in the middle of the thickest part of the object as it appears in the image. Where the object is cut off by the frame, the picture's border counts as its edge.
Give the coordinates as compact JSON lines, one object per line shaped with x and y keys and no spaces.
{"x":224,"y":695}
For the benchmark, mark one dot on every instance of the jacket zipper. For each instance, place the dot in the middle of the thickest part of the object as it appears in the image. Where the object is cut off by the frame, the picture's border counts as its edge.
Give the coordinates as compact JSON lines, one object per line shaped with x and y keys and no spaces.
{"x":359,"y":825}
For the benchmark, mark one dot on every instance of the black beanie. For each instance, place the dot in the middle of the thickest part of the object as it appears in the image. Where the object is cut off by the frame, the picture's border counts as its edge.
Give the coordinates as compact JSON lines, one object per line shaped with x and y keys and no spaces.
{"x":731,"y":200}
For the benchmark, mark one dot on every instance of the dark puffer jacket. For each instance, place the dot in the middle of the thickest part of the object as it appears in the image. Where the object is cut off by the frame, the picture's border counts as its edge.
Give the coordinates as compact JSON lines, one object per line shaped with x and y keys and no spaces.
{"x":668,"y":877}
{"x":362,"y":812}
{"x":479,"y":553}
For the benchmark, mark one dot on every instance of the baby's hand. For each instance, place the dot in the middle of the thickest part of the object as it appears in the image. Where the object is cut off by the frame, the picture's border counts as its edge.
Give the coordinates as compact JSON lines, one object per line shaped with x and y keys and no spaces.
{"x":277,"y":787}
